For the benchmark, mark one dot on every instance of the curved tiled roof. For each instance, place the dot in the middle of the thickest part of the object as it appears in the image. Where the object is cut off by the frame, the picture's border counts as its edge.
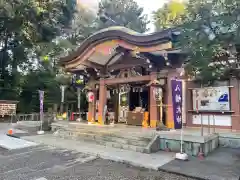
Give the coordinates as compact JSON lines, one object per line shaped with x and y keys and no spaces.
{"x":122,"y":33}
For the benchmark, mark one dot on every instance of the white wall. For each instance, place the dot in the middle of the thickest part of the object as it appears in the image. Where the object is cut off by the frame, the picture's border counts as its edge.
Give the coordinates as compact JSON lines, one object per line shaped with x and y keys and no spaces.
{"x":184,"y":109}
{"x":220,"y":120}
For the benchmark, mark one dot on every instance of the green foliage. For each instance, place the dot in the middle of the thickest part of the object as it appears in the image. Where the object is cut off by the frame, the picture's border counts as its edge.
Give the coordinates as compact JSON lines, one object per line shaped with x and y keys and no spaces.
{"x":125,"y":13}
{"x":25,"y":27}
{"x":34,"y":34}
{"x":210,"y":34}
{"x":169,"y":15}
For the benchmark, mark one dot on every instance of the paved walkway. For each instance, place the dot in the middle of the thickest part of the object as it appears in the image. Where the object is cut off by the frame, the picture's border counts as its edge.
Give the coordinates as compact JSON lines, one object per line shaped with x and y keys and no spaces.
{"x":49,"y":163}
{"x":223,"y":164}
{"x":151,"y":161}
{"x":11,"y":143}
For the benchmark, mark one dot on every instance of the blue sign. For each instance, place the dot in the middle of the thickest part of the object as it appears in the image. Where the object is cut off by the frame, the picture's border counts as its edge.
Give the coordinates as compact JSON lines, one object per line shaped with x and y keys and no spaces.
{"x":78,"y":81}
{"x":177,"y":103}
{"x":223,"y":98}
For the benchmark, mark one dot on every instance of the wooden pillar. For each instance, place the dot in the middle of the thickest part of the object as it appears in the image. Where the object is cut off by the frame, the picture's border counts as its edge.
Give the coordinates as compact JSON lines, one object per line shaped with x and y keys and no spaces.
{"x":172,"y":73}
{"x":153,"y":105}
{"x":189,"y":103}
{"x":102,"y":101}
{"x":92,"y":105}
{"x":234,"y":99}
{"x":92,"y":110}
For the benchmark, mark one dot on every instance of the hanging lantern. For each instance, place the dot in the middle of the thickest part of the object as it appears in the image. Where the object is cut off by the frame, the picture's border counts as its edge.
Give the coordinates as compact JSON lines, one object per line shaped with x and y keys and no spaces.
{"x":90,"y":96}
{"x":124,"y":98}
{"x":157,"y":93}
{"x":78,"y":81}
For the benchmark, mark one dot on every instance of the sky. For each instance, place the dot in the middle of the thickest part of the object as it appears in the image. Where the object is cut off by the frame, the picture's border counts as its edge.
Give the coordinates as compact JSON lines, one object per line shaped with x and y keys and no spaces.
{"x":148,"y":5}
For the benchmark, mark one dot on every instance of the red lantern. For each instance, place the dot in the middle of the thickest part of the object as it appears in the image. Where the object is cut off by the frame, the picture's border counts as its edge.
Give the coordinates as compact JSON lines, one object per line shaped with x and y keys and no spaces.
{"x":90,"y":96}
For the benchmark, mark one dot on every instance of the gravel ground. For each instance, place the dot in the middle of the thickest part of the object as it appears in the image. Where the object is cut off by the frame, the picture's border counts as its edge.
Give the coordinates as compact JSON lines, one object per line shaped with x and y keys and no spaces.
{"x":59,"y":164}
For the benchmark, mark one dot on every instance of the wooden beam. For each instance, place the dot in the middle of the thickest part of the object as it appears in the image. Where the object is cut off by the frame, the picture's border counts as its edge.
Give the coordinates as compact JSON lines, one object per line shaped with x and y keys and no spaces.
{"x":127,"y":80}
{"x":128,"y":62}
{"x":127,"y":66}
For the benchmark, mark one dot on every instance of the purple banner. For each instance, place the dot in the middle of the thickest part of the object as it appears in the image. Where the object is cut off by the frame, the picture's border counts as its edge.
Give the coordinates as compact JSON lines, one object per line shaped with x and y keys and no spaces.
{"x":41,"y":97}
{"x":177,"y":103}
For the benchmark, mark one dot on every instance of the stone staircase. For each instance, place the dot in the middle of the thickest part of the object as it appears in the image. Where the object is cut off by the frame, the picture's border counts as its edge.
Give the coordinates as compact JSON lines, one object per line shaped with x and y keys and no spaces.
{"x":108,"y":139}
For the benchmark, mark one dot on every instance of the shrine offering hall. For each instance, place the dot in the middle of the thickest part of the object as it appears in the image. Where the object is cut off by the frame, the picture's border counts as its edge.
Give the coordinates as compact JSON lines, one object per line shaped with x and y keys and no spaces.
{"x":130,"y":78}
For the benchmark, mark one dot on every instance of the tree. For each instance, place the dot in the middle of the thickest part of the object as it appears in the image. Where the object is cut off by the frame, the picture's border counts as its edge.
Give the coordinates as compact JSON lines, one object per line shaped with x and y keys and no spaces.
{"x":24,"y":27}
{"x":125,"y":13}
{"x":211,"y":36}
{"x":169,"y":15}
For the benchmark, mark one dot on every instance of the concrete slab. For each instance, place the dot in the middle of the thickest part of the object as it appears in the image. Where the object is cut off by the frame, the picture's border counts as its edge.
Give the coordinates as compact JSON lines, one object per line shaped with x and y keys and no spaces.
{"x":4,"y":127}
{"x":150,"y":161}
{"x":11,"y":143}
{"x":29,"y":123}
{"x":223,"y":164}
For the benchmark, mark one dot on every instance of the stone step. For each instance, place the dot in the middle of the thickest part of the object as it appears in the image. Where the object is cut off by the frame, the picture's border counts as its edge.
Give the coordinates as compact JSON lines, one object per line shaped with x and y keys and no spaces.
{"x":108,"y":141}
{"x":104,"y":137}
{"x":115,"y":134}
{"x":97,"y":130}
{"x":120,"y":140}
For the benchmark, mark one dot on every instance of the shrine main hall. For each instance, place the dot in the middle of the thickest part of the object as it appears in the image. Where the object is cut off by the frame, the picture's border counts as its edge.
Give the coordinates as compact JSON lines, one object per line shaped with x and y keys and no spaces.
{"x":131,"y":77}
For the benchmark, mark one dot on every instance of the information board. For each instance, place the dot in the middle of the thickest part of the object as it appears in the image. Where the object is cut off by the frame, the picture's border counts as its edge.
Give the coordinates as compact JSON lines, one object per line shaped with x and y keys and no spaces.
{"x":7,"y":109}
{"x":211,"y":99}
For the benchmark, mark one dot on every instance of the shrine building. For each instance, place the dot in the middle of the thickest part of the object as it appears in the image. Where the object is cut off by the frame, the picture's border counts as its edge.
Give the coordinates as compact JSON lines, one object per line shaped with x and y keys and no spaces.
{"x":134,"y":77}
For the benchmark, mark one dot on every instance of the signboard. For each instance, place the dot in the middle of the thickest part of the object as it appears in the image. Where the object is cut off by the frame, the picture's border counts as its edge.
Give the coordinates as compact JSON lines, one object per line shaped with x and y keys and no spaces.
{"x":211,"y":99}
{"x":78,"y":81}
{"x":177,"y":103}
{"x":7,"y":109}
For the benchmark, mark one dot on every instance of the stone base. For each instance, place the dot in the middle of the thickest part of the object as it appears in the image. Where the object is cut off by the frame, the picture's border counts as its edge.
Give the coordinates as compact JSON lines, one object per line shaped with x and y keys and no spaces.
{"x":229,"y":140}
{"x":103,"y":137}
{"x":182,"y":156}
{"x":191,"y":144}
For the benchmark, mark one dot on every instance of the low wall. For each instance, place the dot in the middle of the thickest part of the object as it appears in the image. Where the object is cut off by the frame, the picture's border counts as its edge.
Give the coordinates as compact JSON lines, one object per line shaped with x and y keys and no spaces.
{"x":192,"y":145}
{"x":229,"y":140}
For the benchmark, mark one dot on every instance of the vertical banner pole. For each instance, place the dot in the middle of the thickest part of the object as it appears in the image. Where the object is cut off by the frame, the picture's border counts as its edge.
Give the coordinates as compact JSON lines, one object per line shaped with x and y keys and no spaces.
{"x":201,"y":125}
{"x":177,"y":96}
{"x":177,"y":103}
{"x":79,"y":103}
{"x":181,"y":127}
{"x":213,"y":123}
{"x":62,"y":87}
{"x":209,"y":125}
{"x":41,"y":98}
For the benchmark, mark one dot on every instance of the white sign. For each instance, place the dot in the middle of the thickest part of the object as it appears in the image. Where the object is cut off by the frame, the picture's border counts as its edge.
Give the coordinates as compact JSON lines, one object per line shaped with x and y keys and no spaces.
{"x":7,"y":109}
{"x":211,"y":99}
{"x":217,"y":120}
